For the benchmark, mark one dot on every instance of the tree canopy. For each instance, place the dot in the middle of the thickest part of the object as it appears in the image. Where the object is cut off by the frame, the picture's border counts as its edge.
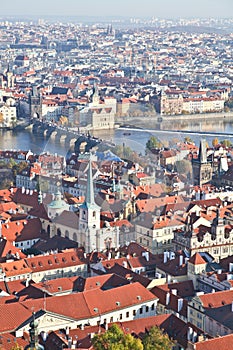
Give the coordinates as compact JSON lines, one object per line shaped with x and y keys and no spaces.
{"x":153,"y":142}
{"x":215,"y":142}
{"x":226,"y":143}
{"x":157,"y":340}
{"x":183,"y":166}
{"x":115,"y":339}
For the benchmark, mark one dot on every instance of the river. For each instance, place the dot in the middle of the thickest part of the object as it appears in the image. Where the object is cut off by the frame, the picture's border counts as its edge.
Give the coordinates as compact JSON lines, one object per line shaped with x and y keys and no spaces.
{"x":135,"y":138}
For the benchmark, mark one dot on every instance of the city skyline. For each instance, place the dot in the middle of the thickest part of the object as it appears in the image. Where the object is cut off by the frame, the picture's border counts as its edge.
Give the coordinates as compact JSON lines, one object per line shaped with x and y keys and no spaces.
{"x":149,"y":8}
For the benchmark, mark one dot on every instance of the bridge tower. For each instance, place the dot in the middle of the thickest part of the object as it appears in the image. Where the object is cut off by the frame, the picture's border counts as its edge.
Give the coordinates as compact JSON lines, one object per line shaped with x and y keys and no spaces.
{"x":35,"y":103}
{"x":202,"y":169}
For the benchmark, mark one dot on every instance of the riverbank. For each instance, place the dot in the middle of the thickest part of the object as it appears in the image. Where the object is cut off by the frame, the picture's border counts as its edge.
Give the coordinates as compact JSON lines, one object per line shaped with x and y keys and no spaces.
{"x":159,"y":122}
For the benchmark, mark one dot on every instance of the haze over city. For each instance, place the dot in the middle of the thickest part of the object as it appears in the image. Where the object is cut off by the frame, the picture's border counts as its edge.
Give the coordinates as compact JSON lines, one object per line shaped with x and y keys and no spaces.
{"x":166,"y":9}
{"x":116,"y":175}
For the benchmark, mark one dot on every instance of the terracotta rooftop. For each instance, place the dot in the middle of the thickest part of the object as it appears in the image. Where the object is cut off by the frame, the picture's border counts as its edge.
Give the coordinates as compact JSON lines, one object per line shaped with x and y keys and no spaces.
{"x":197,"y":259}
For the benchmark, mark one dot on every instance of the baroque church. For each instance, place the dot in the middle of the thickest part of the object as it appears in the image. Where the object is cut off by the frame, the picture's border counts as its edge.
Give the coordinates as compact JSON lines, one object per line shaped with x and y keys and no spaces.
{"x":86,"y":228}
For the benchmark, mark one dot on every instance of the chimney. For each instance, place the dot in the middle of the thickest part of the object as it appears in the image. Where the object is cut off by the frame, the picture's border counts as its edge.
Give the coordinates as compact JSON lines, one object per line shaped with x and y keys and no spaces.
{"x":180,"y":304}
{"x":146,"y":255}
{"x":69,"y":342}
{"x":165,"y":256}
{"x":27,"y":282}
{"x":231,"y":267}
{"x":172,"y":255}
{"x":67,"y":331}
{"x":174,"y":291}
{"x":194,"y":337}
{"x":181,"y":258}
{"x":167,"y":298}
{"x":44,"y":336}
{"x":190,"y":333}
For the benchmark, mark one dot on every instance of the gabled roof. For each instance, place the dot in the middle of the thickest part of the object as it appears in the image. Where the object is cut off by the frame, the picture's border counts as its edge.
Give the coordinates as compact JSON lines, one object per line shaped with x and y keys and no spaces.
{"x":169,"y":323}
{"x":197,"y":259}
{"x":217,"y":299}
{"x":58,"y":243}
{"x":223,"y":343}
{"x":15,"y":268}
{"x":8,"y":250}
{"x":129,"y":274}
{"x":92,"y":302}
{"x":70,"y":257}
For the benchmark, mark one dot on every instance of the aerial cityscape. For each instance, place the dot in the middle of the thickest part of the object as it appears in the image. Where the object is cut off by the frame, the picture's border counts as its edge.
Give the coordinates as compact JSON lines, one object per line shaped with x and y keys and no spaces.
{"x":116,"y":175}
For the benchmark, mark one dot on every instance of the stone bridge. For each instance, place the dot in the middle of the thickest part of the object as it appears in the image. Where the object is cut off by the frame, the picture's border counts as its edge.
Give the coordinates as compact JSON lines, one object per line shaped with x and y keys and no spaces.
{"x":75,"y":140}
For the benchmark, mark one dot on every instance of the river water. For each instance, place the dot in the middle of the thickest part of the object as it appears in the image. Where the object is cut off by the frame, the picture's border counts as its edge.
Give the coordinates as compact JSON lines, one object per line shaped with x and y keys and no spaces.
{"x":134,"y":138}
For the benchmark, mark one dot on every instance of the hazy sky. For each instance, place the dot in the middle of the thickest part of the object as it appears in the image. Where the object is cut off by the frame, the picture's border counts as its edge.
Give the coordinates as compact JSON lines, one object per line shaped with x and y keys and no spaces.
{"x":158,"y":8}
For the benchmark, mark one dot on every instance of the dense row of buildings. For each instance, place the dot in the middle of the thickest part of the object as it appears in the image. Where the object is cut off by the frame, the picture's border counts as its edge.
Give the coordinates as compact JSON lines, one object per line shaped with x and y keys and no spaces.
{"x":121,"y":247}
{"x":91,"y":76}
{"x":97,"y":239}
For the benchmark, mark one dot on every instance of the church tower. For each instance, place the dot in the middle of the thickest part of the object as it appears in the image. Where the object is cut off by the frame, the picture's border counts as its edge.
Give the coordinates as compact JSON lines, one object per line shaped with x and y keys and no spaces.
{"x":10,"y":77}
{"x":95,"y":96}
{"x":89,"y":215}
{"x":202,"y":169}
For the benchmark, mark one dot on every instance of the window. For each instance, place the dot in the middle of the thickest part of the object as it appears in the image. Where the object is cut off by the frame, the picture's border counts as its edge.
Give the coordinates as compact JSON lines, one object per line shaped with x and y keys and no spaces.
{"x":141,"y":310}
{"x":152,"y":306}
{"x":147,"y":308}
{"x":120,"y":316}
{"x":127,"y":314}
{"x":134,"y":312}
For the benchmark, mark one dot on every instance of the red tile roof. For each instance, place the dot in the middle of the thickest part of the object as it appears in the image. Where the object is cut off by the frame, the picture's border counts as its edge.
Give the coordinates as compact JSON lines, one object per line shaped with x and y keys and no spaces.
{"x":223,"y":343}
{"x":217,"y":299}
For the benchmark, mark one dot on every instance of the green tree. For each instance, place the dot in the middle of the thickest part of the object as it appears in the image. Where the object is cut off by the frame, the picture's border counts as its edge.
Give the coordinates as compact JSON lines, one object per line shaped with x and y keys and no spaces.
{"x":115,"y":339}
{"x":226,"y":143}
{"x":183,"y":166}
{"x":18,"y":167}
{"x":215,"y":142}
{"x":188,"y":139}
{"x":153,"y":142}
{"x":11,"y":163}
{"x":6,"y":183}
{"x":126,"y":152}
{"x":155,"y":339}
